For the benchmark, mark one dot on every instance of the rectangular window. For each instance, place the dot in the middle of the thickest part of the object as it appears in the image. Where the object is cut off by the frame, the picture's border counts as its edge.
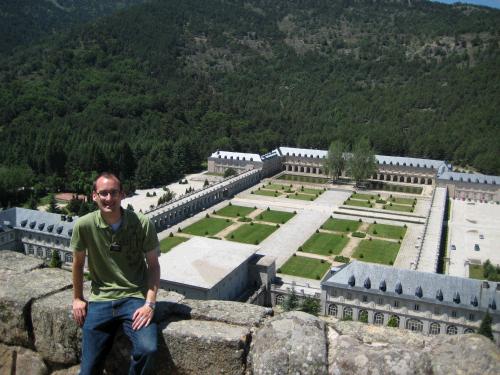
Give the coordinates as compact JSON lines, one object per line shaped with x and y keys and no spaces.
{"x":416,"y":307}
{"x":348,"y":296}
{"x":396,"y":303}
{"x":333,"y":293}
{"x":380,"y":301}
{"x":365,"y":298}
{"x":471,"y":316}
{"x":454,"y":314}
{"x":437,"y":310}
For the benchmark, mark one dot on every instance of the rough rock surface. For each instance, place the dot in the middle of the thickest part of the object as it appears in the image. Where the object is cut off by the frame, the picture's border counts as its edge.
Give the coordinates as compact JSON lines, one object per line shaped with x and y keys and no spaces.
{"x":204,"y":347}
{"x":18,"y":360}
{"x":223,"y":311}
{"x":165,"y":303}
{"x":57,"y":336}
{"x":464,"y":354}
{"x":13,"y":263}
{"x":357,"y":348}
{"x":16,"y":297}
{"x":291,"y":343}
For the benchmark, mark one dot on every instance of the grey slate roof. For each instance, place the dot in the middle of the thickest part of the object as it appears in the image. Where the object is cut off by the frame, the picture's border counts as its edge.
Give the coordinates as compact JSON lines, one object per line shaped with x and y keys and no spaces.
{"x":470,"y":177}
{"x":411,"y":162}
{"x":36,"y":221}
{"x":413,"y":283}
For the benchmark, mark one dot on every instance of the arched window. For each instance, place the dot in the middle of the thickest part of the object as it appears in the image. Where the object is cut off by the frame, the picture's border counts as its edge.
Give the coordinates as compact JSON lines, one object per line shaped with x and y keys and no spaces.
{"x":280,"y":298}
{"x":363,"y":316}
{"x":332,"y":310}
{"x":347,"y":313}
{"x":68,"y":258}
{"x":434,"y":329}
{"x":468,"y":330}
{"x":378,"y":319}
{"x":414,"y":325}
{"x":451,"y":330}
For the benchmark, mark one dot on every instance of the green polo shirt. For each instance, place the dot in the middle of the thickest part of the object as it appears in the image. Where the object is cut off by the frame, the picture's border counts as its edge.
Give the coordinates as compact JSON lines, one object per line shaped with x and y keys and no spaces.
{"x":120,"y":270}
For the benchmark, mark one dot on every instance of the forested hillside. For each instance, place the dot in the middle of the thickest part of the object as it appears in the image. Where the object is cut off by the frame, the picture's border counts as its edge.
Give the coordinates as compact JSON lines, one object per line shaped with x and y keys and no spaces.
{"x":156,"y":88}
{"x":24,"y":21}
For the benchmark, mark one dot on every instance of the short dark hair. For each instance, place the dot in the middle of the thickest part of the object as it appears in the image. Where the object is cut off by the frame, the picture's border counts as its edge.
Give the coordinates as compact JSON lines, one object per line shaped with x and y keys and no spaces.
{"x":106,"y":175}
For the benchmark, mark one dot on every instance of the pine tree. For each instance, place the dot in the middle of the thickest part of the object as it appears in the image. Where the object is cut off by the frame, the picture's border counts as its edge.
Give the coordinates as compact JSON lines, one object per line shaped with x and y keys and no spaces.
{"x":53,"y":205}
{"x":55,"y":260}
{"x":291,"y":302}
{"x":485,"y":327}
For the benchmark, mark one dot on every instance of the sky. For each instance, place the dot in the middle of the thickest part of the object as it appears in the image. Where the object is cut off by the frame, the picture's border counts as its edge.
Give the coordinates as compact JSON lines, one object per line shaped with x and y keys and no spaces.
{"x":489,"y":3}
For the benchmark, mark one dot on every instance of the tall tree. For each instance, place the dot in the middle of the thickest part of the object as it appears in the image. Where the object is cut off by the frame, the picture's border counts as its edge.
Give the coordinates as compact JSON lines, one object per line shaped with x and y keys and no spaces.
{"x":361,"y":164}
{"x":485,"y":327}
{"x":335,"y":162}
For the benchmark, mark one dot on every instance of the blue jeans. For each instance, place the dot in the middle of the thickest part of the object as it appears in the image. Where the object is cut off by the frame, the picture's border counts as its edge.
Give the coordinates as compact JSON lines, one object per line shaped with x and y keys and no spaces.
{"x":102,"y":322}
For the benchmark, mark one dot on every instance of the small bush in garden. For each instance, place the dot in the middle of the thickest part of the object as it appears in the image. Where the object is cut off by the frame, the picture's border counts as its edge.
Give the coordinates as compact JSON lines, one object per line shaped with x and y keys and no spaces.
{"x":179,"y":229}
{"x":230,"y":204}
{"x":330,"y":252}
{"x":237,"y":214}
{"x":322,"y":261}
{"x":374,"y":231}
{"x":294,"y":254}
{"x":268,"y":209}
{"x":399,"y":241}
{"x":400,"y":237}
{"x":391,"y":262}
{"x":227,"y":220}
{"x":295,"y":212}
{"x":171,"y":234}
{"x":251,"y":223}
{"x":300,"y":248}
{"x":214,"y":212}
{"x":256,"y":242}
{"x":277,"y":225}
{"x":206,"y":233}
{"x":317,"y":230}
{"x":348,"y":229}
{"x":232,"y":236}
{"x":374,"y":221}
{"x":207,"y":216}
{"x":278,"y":270}
{"x":251,"y":192}
{"x":361,"y":256}
{"x":318,"y":277}
{"x":359,"y":220}
{"x":406,"y":226}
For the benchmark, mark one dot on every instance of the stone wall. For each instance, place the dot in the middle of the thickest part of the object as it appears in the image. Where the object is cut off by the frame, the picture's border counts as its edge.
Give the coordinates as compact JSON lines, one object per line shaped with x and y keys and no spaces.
{"x":38,"y":336}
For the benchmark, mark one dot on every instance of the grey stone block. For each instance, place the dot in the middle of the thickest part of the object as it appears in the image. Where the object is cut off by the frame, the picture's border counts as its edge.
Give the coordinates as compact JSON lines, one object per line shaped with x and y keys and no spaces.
{"x":204,"y":347}
{"x":16,"y":298}
{"x":14,"y":263}
{"x":18,"y":360}
{"x":291,"y":343}
{"x":57,"y":337}
{"x":223,"y":311}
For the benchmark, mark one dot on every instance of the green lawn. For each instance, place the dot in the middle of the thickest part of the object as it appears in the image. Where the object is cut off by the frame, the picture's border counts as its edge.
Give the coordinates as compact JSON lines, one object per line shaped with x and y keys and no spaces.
{"x":314,"y":180}
{"x":277,"y":187}
{"x":168,"y":243}
{"x":269,"y":193}
{"x":305,"y":267}
{"x":354,"y":202}
{"x":341,"y":225}
{"x":377,"y":251}
{"x":476,"y":271}
{"x":388,"y":231}
{"x":303,"y":197}
{"x":402,"y":200}
{"x":325,"y":244}
{"x":363,"y":196}
{"x":278,"y":217}
{"x":310,"y":191}
{"x":398,"y":207}
{"x":252,"y":234}
{"x":235,"y":211}
{"x":207,"y":226}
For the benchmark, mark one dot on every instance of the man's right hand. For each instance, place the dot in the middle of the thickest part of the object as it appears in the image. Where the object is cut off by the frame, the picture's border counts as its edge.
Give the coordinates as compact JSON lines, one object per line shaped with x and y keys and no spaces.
{"x":79,"y":310}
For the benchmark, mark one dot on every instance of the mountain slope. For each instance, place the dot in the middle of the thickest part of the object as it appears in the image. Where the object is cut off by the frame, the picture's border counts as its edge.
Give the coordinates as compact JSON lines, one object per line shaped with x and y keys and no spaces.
{"x":174,"y":80}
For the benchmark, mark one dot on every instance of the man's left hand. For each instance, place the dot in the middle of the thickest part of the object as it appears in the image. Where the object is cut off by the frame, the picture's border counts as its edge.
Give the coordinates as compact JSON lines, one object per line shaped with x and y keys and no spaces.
{"x":142,"y":317}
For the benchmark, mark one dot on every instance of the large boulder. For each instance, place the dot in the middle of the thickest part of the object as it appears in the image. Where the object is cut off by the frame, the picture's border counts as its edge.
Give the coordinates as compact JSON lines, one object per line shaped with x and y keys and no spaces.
{"x":57,"y":336}
{"x":205,"y":347}
{"x":222,"y":311}
{"x":14,"y":263}
{"x":357,"y":348}
{"x":464,"y":354}
{"x":18,"y":360}
{"x":291,"y":343}
{"x":16,"y":297}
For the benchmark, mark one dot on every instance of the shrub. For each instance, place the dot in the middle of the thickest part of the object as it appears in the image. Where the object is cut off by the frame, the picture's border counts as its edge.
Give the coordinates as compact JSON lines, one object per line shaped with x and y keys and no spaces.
{"x":237,"y":214}
{"x":277,"y":225}
{"x":230,"y":204}
{"x":340,"y":258}
{"x":206,"y":233}
{"x":317,"y":230}
{"x":227,"y":220}
{"x":330,"y":252}
{"x":256,"y":242}
{"x":261,"y":217}
{"x":294,"y":254}
{"x":268,"y":209}
{"x":214,"y":212}
{"x":179,"y":229}
{"x":318,"y":277}
{"x":400,"y":237}
{"x":361,"y":256}
{"x":254,"y":207}
{"x":374,"y":231}
{"x":251,"y":192}
{"x":322,"y":261}
{"x":348,"y":229}
{"x":374,"y":221}
{"x":369,"y":238}
{"x":251,"y":223}
{"x":300,"y":248}
{"x":232,"y":236}
{"x":278,"y":270}
{"x":359,"y":220}
{"x":391,"y":262}
{"x":295,"y":212}
{"x":405,"y":226}
{"x":207,"y":216}
{"x":359,"y":234}
{"x":171,"y":234}
{"x":399,"y":241}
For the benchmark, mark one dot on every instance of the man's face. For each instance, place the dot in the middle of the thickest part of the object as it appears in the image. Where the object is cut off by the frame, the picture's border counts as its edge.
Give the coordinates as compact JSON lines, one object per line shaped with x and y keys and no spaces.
{"x":108,"y":195}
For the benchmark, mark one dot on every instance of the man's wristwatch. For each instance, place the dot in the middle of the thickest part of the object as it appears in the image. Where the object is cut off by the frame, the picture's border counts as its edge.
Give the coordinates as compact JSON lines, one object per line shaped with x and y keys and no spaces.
{"x":152,"y":305}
